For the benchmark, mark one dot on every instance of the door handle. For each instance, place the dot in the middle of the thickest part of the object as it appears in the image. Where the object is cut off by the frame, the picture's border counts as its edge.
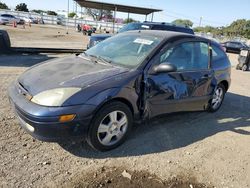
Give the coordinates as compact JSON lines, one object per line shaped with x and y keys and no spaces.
{"x":207,"y":76}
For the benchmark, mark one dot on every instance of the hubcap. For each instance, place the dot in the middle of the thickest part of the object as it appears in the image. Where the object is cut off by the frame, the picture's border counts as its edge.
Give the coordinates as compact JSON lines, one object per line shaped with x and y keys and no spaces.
{"x":112,"y":128}
{"x":217,"y":98}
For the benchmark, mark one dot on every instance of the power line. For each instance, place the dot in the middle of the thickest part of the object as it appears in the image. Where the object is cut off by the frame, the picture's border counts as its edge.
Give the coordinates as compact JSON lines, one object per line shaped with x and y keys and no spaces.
{"x":195,"y":20}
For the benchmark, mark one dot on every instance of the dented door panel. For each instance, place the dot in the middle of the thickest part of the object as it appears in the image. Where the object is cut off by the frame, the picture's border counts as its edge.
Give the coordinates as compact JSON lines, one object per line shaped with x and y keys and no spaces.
{"x":180,"y":91}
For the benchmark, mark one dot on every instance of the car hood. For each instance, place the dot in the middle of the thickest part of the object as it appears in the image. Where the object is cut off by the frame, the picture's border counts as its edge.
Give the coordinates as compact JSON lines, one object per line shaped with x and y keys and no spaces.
{"x":72,"y":71}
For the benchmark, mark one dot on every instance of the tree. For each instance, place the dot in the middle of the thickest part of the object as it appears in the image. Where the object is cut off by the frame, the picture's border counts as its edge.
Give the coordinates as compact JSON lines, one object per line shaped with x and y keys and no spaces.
{"x":71,"y":15}
{"x":3,"y":6}
{"x":237,"y":28}
{"x":99,"y":14}
{"x":22,"y":7}
{"x":52,"y":13}
{"x":129,"y":20}
{"x":186,"y":23}
{"x":38,"y":11}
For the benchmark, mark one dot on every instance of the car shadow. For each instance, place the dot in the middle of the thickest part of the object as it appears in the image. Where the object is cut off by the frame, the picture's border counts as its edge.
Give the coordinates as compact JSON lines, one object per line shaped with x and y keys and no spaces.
{"x":23,"y":59}
{"x":174,"y":131}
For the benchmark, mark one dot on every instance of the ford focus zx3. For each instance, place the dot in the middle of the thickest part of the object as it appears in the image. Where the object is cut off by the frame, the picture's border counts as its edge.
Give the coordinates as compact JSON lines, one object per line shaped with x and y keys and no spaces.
{"x":128,"y":78}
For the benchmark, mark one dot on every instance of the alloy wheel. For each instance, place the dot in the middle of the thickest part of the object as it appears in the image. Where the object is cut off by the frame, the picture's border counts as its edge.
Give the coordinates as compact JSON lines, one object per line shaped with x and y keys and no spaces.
{"x":217,"y":98}
{"x":112,"y":128}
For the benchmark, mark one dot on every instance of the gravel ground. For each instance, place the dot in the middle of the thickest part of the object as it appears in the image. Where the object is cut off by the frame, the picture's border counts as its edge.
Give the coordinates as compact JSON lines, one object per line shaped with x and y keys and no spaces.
{"x":190,"y":149}
{"x":45,"y":36}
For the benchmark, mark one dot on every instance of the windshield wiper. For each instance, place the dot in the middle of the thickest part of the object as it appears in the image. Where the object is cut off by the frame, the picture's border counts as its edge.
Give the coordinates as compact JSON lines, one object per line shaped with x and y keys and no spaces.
{"x":103,"y":59}
{"x":99,"y":58}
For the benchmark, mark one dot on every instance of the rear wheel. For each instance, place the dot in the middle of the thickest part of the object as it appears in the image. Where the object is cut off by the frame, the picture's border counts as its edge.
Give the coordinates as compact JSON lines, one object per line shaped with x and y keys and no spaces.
{"x":238,"y":67}
{"x":244,"y":68}
{"x":110,"y":127}
{"x":217,"y":99}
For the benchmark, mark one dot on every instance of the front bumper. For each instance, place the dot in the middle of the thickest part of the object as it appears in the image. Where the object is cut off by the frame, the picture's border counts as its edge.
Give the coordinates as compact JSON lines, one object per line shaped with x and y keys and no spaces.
{"x":43,"y":122}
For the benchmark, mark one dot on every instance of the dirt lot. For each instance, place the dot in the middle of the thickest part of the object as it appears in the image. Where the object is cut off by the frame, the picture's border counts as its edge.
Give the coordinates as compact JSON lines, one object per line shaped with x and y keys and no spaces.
{"x":181,"y":150}
{"x":45,"y":36}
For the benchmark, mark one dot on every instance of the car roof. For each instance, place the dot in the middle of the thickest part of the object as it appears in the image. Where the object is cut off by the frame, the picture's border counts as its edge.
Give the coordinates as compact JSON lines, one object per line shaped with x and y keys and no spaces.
{"x":170,"y":35}
{"x":161,"y":33}
{"x":162,"y":23}
{"x":234,"y":42}
{"x":6,"y":15}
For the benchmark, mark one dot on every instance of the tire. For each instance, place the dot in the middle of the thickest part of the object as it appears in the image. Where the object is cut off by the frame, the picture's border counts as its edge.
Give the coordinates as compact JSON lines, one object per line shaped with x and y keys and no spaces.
{"x":4,"y":41}
{"x":238,"y":67}
{"x":218,"y":98}
{"x":244,"y":68}
{"x":107,"y":130}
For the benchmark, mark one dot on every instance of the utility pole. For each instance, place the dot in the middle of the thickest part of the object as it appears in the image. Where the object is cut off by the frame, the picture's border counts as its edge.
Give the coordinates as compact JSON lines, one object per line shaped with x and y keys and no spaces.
{"x":76,"y":14}
{"x":114,"y":19}
{"x":200,"y":21}
{"x":67,"y":24}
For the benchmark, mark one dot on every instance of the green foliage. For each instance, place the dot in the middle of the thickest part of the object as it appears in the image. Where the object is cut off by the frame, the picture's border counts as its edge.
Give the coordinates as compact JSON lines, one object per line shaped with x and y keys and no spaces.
{"x":186,"y":23}
{"x":129,"y":20}
{"x":3,"y":6}
{"x":22,"y":7}
{"x":237,"y":28}
{"x":52,"y":13}
{"x":71,"y":14}
{"x":38,"y":11}
{"x":99,"y":14}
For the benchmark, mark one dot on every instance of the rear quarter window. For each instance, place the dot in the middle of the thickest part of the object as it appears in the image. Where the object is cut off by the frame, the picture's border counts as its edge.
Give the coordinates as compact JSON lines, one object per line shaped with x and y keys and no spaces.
{"x":217,"y":53}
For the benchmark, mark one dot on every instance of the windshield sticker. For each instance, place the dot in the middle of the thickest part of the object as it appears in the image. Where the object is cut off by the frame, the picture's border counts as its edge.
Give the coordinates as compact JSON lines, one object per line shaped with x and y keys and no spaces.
{"x":145,"y":26}
{"x":143,"y":41}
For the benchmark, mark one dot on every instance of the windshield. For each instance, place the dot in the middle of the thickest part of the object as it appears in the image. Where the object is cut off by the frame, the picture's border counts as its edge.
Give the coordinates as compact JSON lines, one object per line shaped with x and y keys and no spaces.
{"x":244,"y":44}
{"x":133,"y":26}
{"x":127,"y":50}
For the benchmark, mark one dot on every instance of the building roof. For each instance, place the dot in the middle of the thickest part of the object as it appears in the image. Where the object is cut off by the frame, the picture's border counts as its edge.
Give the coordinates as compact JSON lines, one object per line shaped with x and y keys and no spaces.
{"x":117,"y":7}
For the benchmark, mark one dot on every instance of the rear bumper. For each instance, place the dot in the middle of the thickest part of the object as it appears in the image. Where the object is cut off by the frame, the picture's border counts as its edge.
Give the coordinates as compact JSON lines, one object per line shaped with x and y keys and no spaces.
{"x":42,"y":122}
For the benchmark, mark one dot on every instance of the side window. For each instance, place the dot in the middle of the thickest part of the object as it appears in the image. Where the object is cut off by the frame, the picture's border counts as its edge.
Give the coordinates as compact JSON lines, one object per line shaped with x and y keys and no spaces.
{"x":230,"y":44}
{"x":217,"y":53}
{"x":233,"y":45}
{"x":239,"y":45}
{"x":187,"y":56}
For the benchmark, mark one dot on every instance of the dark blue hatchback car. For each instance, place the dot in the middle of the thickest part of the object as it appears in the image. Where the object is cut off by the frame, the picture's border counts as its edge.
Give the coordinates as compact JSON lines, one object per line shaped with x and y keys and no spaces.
{"x":130,"y":77}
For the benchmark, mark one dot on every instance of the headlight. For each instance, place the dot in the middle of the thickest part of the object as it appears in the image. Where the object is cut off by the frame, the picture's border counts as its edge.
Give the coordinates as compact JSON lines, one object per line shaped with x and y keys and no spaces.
{"x":54,"y":97}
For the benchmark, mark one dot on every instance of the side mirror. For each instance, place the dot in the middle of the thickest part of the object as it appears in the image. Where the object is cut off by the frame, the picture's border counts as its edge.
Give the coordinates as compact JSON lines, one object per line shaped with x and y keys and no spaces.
{"x":164,"y":68}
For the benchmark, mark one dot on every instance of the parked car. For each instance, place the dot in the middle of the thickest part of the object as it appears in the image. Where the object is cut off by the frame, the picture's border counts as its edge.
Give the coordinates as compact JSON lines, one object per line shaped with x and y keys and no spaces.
{"x":86,"y":29}
{"x":30,"y":20}
{"x":3,"y":21}
{"x":60,"y":20}
{"x":10,"y":18}
{"x":128,"y":78}
{"x":141,"y":26}
{"x":244,"y":60}
{"x":233,"y":46}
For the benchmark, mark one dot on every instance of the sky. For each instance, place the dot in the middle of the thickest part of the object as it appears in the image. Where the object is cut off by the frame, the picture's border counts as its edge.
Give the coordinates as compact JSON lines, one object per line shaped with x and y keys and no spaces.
{"x":213,"y":12}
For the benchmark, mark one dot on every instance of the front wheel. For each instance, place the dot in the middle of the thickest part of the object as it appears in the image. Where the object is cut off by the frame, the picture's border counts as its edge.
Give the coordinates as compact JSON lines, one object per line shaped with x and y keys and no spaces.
{"x":218,"y":97}
{"x":110,"y":127}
